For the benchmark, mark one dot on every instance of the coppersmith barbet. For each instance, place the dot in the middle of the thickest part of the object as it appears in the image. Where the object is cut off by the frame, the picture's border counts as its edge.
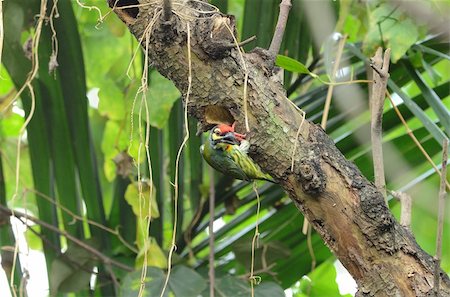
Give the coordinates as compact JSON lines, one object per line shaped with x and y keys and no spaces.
{"x":226,"y":151}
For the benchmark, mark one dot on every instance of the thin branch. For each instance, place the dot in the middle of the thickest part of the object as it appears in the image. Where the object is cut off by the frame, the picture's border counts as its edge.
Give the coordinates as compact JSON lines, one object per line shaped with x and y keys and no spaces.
{"x":406,"y":207}
{"x":326,"y":108}
{"x":105,"y":259}
{"x":212,"y":197}
{"x":380,"y":68}
{"x":310,"y":246}
{"x":255,"y":279}
{"x":275,"y":45}
{"x":62,"y":256}
{"x":266,"y":269}
{"x":416,"y":141}
{"x":167,"y":9}
{"x":441,"y":209}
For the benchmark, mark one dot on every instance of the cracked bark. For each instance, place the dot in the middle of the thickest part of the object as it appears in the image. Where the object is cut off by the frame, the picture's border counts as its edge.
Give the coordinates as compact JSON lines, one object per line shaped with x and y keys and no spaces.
{"x":342,"y":205}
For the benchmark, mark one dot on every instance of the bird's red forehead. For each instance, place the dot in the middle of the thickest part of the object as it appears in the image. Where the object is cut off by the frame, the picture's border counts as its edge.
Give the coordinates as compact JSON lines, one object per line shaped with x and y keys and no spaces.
{"x":225,"y":128}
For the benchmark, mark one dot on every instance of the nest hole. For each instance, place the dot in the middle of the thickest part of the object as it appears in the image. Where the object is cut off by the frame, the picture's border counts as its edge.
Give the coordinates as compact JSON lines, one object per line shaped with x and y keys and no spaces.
{"x":130,"y":12}
{"x":216,"y":114}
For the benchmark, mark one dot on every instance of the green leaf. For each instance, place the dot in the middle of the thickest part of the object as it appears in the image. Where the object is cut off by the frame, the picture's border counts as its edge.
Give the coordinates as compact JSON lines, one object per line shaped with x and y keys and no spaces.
{"x":161,"y":96}
{"x":230,"y":286}
{"x":276,"y":250}
{"x":397,"y":31}
{"x":10,"y":124}
{"x":71,"y":272}
{"x":111,"y":103}
{"x":290,"y":64}
{"x":321,"y":282}
{"x":183,"y":282}
{"x":155,"y":255}
{"x":269,"y":289}
{"x":186,"y":282}
{"x":140,"y":204}
{"x":114,"y":141}
{"x":6,"y":86}
{"x":154,"y":282}
{"x":34,"y":242}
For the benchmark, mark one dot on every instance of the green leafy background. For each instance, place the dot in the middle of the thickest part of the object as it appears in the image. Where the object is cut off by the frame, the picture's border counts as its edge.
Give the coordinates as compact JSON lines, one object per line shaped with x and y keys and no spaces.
{"x":70,"y":150}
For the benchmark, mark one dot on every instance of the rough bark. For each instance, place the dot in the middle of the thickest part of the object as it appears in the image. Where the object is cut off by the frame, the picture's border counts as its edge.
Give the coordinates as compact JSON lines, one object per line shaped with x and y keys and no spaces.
{"x":341,"y":204}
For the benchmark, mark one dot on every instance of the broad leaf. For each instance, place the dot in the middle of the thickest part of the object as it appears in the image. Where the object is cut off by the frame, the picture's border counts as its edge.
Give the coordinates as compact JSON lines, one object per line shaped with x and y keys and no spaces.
{"x":186,"y":282}
{"x":154,"y":282}
{"x":396,"y":30}
{"x":155,"y":255}
{"x":143,"y":204}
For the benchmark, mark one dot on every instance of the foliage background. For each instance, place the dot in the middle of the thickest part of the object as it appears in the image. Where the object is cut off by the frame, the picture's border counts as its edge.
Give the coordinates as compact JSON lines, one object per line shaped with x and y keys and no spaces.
{"x":74,"y":148}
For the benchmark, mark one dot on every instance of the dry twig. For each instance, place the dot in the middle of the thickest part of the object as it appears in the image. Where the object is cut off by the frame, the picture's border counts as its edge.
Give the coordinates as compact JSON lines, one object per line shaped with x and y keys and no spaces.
{"x":440,"y":226}
{"x":255,"y":279}
{"x":380,"y":68}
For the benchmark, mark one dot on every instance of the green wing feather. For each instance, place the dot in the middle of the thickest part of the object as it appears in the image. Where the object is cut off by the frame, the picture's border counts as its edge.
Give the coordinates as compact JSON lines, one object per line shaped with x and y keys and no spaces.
{"x":233,"y":162}
{"x":247,"y":165}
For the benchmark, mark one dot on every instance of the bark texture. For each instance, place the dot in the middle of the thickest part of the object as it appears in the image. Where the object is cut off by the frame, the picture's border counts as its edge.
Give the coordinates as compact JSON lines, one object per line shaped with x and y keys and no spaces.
{"x":341,"y":204}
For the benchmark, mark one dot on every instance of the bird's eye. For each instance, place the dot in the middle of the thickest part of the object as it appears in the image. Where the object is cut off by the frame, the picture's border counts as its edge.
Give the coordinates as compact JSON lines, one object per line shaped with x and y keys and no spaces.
{"x":217,"y":131}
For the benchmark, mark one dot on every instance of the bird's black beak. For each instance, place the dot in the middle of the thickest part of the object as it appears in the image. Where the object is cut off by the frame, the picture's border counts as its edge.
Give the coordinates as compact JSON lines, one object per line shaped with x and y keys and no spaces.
{"x":229,"y":138}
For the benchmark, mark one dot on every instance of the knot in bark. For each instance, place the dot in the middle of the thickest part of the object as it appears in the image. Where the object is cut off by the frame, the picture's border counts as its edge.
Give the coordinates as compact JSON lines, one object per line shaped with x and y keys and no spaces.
{"x":311,"y":176}
{"x":214,"y":36}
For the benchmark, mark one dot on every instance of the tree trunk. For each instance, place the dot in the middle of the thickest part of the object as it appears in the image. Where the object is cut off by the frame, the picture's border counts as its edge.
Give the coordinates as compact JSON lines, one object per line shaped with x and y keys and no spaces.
{"x":341,"y":204}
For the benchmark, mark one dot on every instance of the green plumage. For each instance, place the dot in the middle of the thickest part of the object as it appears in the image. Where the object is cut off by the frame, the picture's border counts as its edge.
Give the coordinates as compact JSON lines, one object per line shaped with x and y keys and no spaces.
{"x":232,"y":160}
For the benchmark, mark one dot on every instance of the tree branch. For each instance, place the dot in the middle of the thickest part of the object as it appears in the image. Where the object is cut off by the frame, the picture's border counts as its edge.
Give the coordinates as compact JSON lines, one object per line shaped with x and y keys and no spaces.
{"x":380,"y":68}
{"x":105,"y":259}
{"x":381,"y":255}
{"x":285,"y":7}
{"x":440,"y":225}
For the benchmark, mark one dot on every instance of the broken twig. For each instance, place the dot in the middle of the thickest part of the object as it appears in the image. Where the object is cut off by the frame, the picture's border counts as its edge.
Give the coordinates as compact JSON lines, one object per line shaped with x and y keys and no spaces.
{"x":406,"y":206}
{"x":275,"y":45}
{"x":105,"y":259}
{"x":380,"y":68}
{"x":440,"y":226}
